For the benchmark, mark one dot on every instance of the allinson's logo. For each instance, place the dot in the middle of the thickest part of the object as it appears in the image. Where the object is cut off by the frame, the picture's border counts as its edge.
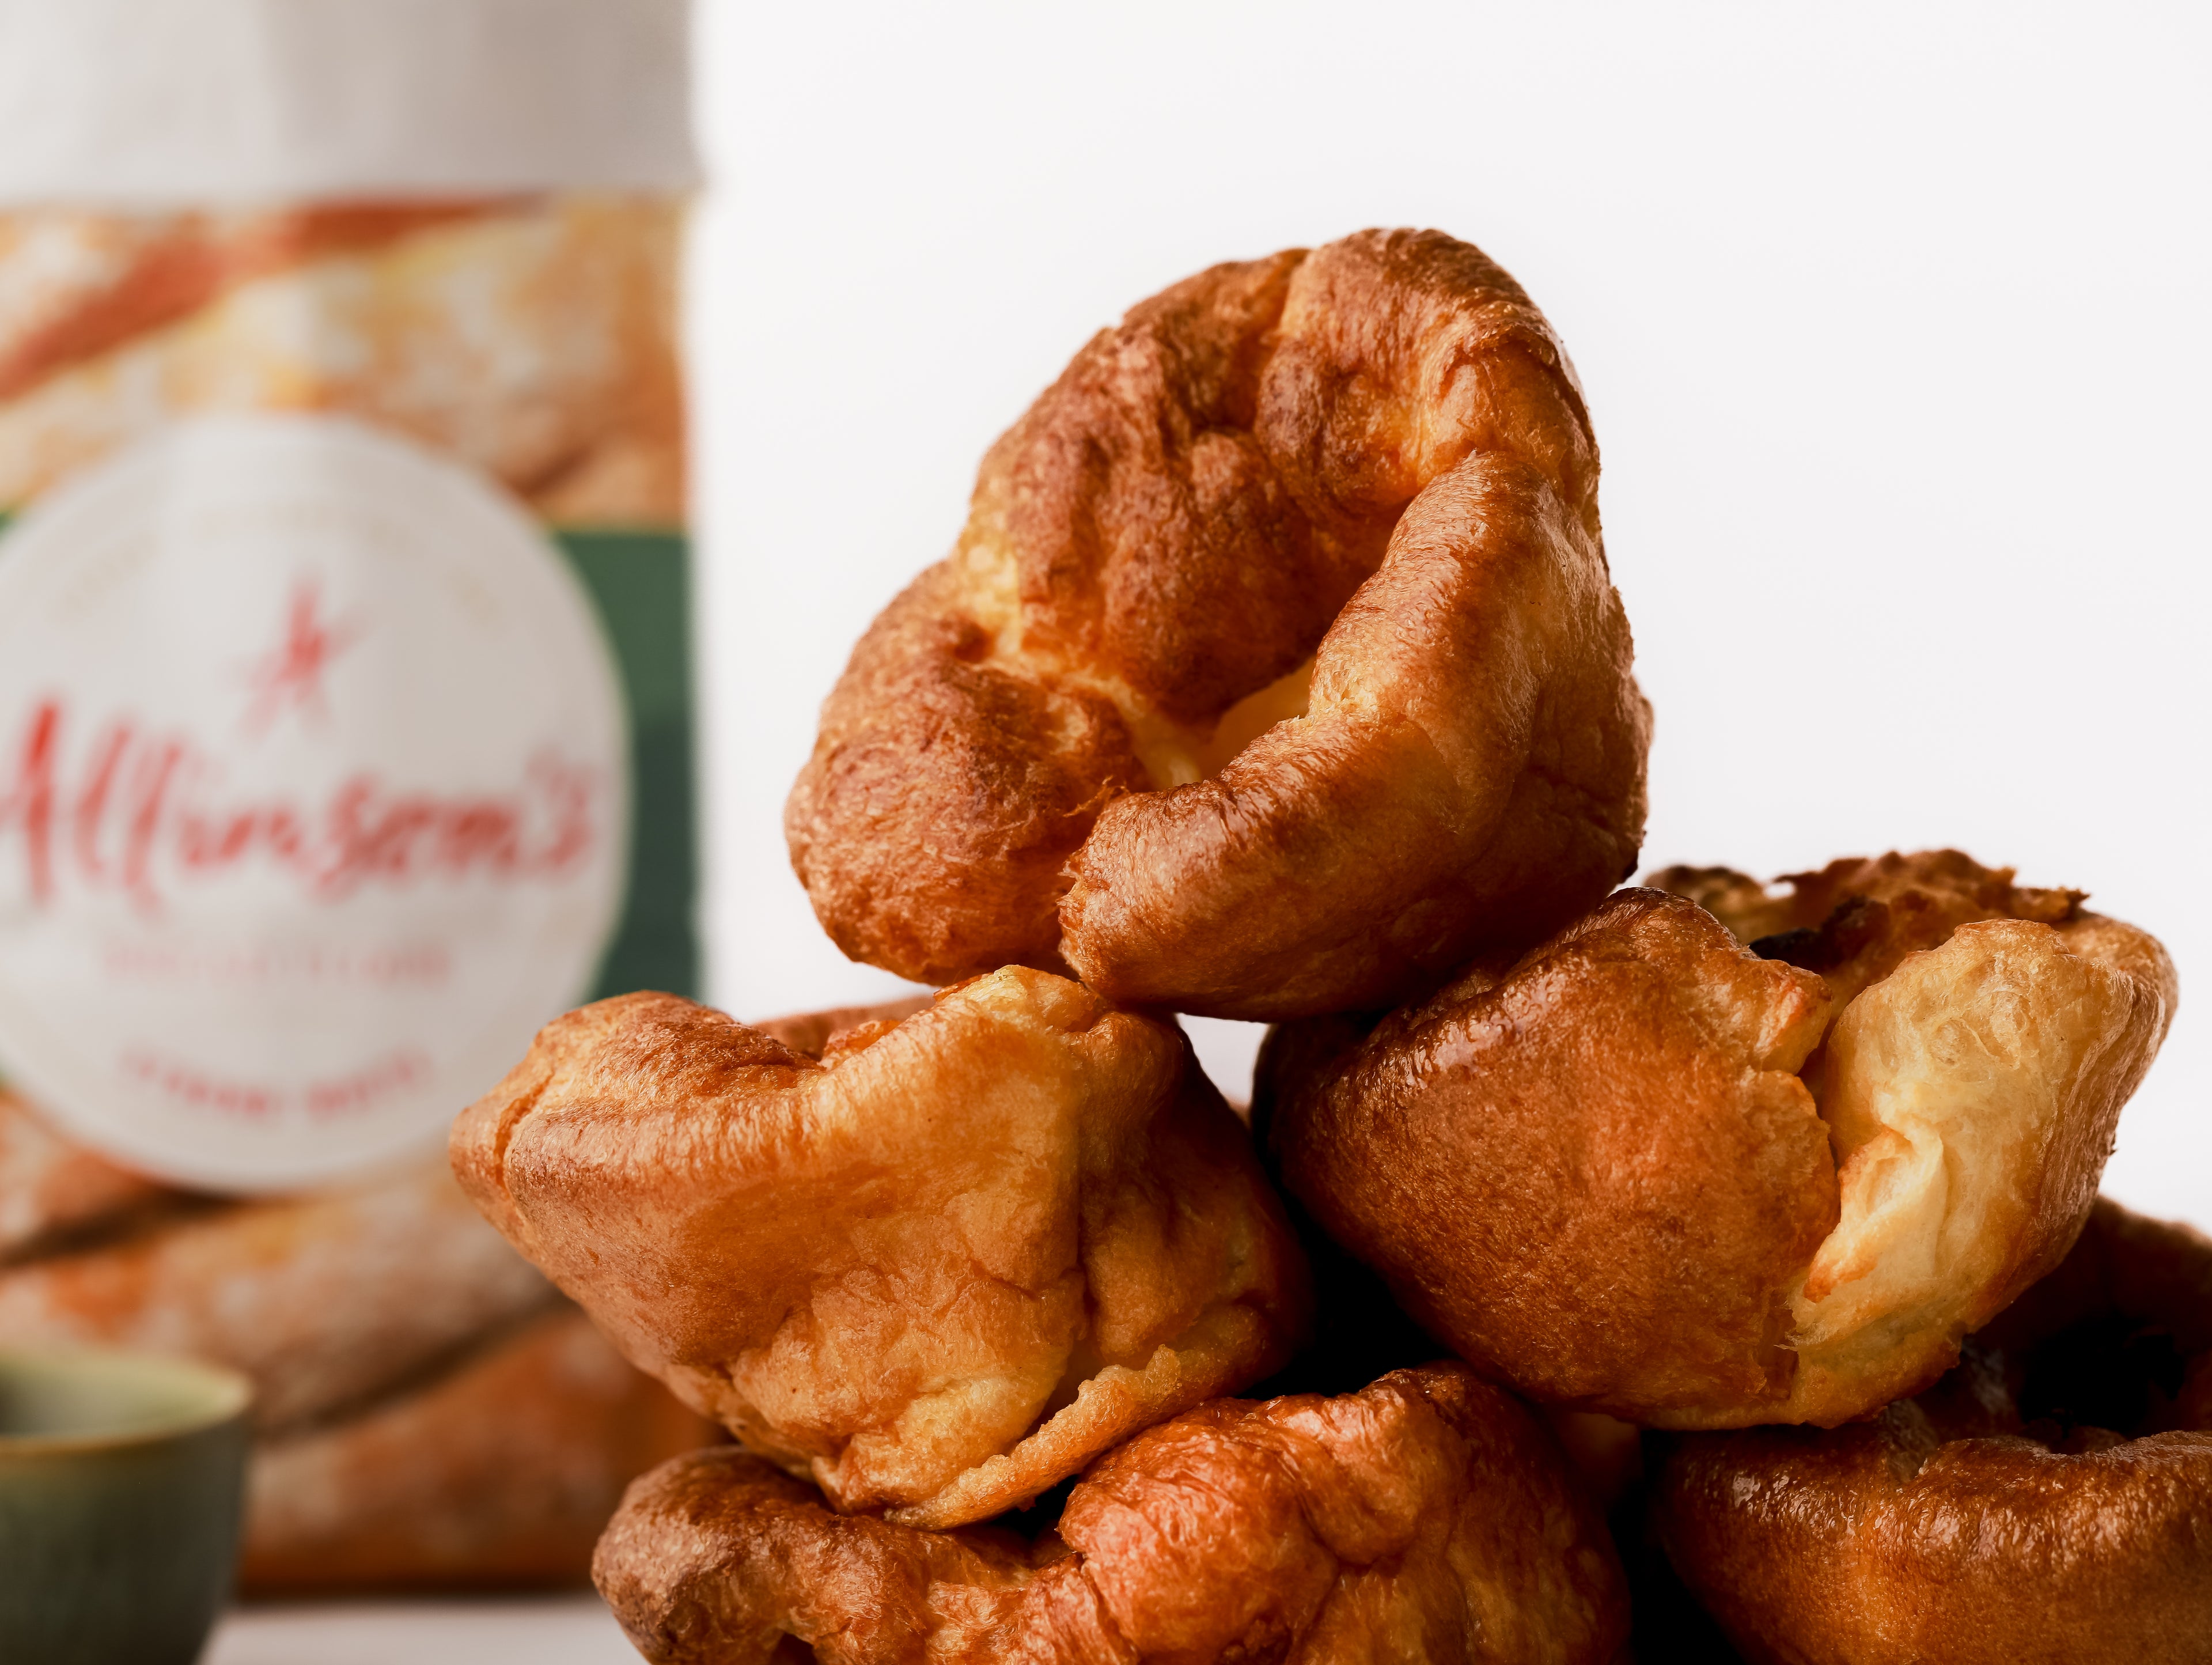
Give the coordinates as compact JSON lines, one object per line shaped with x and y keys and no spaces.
{"x":315,"y":798}
{"x":290,"y":675}
{"x":140,"y":809}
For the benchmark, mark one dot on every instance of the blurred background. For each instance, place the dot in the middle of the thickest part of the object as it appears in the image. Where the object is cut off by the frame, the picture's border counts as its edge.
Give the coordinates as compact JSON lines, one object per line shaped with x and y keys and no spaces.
{"x":1891,"y":324}
{"x":1893,"y":329}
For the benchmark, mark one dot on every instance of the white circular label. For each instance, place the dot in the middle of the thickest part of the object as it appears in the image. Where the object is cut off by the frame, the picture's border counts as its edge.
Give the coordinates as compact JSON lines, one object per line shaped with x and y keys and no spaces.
{"x":313,"y":798}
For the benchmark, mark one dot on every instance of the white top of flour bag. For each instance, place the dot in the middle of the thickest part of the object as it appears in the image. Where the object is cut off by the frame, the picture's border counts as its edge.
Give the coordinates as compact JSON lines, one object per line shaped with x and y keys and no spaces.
{"x":168,"y":103}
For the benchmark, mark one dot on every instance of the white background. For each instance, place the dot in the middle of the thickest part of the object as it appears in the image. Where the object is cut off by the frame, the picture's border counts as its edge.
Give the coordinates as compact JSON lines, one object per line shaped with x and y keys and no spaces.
{"x":558,"y":1630}
{"x":1893,"y":326}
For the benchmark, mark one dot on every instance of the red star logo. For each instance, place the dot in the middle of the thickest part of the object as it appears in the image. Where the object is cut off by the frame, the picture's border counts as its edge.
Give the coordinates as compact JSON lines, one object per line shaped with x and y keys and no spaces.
{"x":290,"y":676}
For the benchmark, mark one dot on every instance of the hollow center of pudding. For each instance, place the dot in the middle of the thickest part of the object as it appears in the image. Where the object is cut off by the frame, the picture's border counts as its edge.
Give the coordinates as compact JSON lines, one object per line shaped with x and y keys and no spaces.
{"x":1173,"y":756}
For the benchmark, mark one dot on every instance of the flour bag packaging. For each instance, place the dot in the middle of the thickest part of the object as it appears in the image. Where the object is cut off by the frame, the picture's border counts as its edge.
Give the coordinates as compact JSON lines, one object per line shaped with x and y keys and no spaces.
{"x":345,"y":722}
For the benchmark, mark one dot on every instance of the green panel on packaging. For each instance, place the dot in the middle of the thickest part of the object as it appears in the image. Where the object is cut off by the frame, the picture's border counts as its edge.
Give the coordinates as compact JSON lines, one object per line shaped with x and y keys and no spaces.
{"x":641,"y":582}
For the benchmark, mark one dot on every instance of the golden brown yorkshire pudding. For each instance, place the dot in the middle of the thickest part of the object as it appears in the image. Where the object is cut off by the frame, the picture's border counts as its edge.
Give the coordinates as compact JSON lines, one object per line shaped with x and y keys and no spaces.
{"x":2049,"y":1500}
{"x":938,"y":1269}
{"x":1645,"y":1171}
{"x":1425,"y":1520}
{"x":1277,"y":670}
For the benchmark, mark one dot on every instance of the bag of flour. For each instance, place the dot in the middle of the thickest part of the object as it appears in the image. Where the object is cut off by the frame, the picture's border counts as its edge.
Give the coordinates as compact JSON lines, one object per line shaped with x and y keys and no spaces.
{"x":345,"y":709}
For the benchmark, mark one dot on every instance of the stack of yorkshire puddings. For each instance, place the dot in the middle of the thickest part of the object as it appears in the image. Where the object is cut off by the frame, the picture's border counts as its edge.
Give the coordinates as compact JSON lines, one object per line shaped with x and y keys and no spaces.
{"x":430,"y":1413}
{"x":1277,"y":675}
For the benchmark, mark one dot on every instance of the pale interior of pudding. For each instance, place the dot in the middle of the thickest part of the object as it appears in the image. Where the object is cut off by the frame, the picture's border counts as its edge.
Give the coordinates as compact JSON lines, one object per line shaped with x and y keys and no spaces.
{"x":1175,"y":756}
{"x":1949,"y":1088}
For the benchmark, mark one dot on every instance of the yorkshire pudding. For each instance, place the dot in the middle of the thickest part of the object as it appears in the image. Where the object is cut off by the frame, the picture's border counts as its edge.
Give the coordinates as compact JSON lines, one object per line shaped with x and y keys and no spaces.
{"x":1646,"y":1171}
{"x":1426,"y":1520}
{"x":937,"y":1270}
{"x":1276,"y":671}
{"x":2049,"y":1500}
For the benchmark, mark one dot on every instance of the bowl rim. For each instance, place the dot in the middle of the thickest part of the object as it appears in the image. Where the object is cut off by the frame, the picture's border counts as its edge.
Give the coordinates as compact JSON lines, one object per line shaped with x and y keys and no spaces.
{"x":229,"y":1396}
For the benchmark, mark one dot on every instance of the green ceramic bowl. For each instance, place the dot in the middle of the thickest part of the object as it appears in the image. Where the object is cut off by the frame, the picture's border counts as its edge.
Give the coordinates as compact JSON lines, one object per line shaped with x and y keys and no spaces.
{"x":121,"y":1480}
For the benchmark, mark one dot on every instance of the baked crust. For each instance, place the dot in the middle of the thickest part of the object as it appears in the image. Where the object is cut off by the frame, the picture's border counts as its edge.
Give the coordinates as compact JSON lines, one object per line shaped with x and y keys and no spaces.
{"x":939,"y":1269}
{"x":1648,"y":1172}
{"x":1426,"y":1518}
{"x":809,"y":1033}
{"x":500,"y":1471}
{"x":1277,"y":670}
{"x":1998,"y":1519}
